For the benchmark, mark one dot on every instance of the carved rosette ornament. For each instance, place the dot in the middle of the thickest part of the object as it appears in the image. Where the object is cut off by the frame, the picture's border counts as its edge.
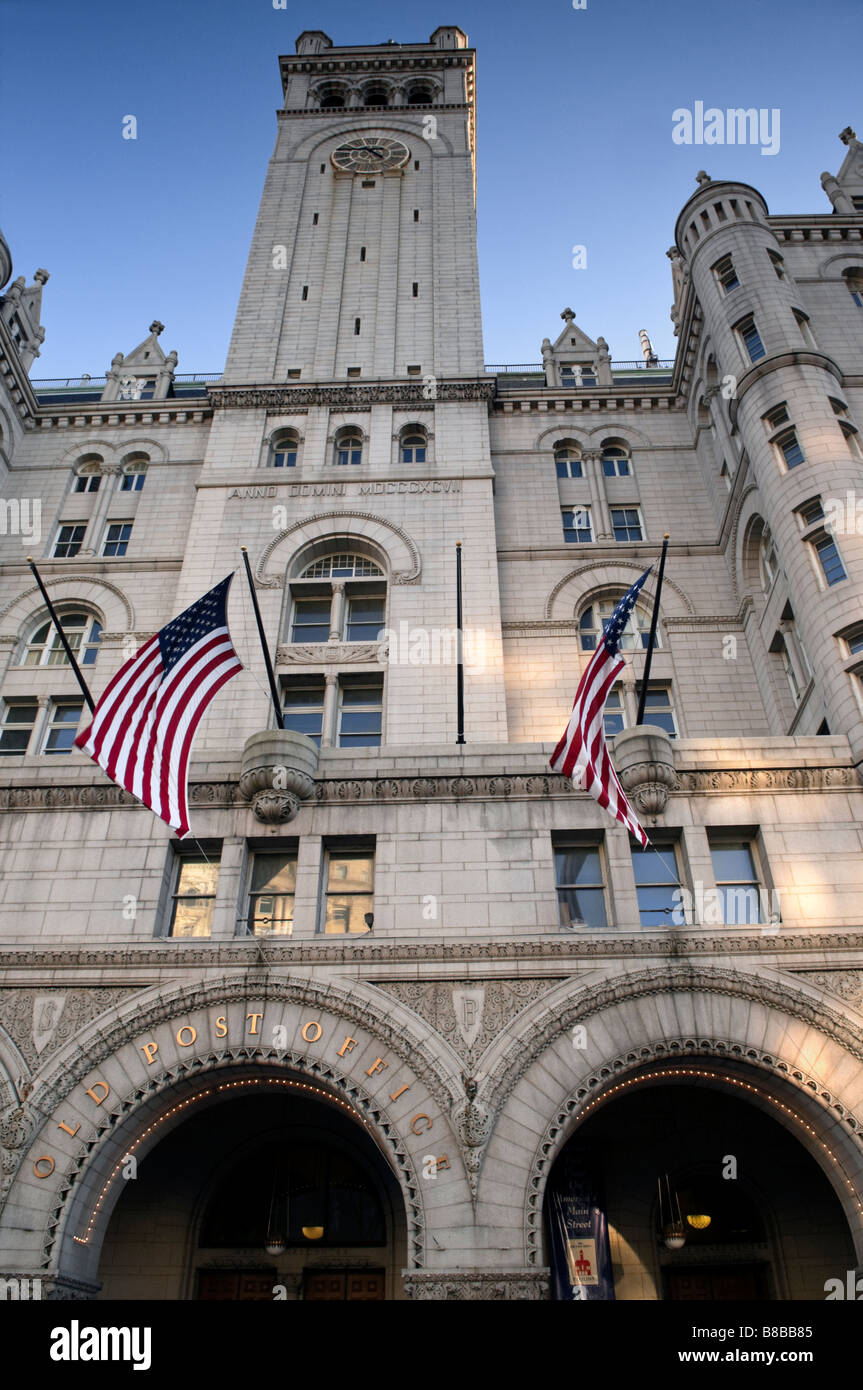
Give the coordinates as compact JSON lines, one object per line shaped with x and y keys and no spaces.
{"x":644,"y":761}
{"x":278,"y":774}
{"x":16,"y":1126}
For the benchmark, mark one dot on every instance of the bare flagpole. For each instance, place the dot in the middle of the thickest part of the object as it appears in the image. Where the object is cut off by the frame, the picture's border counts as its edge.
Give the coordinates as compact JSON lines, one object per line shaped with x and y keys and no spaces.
{"x":63,"y":638}
{"x":653,"y":622}
{"x":271,"y":675}
{"x":459,"y":688}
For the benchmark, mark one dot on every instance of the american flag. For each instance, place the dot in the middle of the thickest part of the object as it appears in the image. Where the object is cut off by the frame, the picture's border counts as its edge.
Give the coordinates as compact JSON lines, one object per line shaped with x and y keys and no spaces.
{"x":144,"y":725}
{"x":582,"y":753}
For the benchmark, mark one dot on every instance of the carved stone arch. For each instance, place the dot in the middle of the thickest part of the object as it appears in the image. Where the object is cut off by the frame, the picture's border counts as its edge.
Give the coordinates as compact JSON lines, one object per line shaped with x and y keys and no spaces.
{"x":747,"y":510}
{"x":110,"y":604}
{"x":546,"y":441}
{"x":357,"y":122}
{"x":96,"y":1045}
{"x":157,"y":452}
{"x":402,"y":556}
{"x":829,"y":269}
{"x":72,"y":456}
{"x":729,"y":1015}
{"x":600,"y":574}
{"x":618,"y":429}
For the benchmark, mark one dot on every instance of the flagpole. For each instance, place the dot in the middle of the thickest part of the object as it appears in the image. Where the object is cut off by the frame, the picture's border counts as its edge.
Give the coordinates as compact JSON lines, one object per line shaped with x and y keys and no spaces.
{"x":653,"y":622}
{"x":271,"y":675}
{"x":63,"y":638}
{"x":459,"y":687}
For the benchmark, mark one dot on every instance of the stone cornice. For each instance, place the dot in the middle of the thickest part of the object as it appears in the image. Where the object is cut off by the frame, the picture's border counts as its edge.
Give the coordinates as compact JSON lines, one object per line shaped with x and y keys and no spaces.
{"x":285,"y":399}
{"x":386,"y":790}
{"x":193,"y":410}
{"x":563,"y":950}
{"x":350,"y":112}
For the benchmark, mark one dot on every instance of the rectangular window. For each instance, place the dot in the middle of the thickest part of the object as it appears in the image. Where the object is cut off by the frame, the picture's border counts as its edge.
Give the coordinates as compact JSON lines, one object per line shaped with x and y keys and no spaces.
{"x":580,"y":885}
{"x":89,"y":482}
{"x":133,"y":482}
{"x":810,"y":512}
{"x":117,"y":538}
{"x":569,"y":468}
{"x":778,"y":264}
{"x":357,"y":325}
{"x":360,"y":711}
{"x":576,"y":524}
{"x":831,"y":564}
{"x":362,"y":253}
{"x":311,"y":619}
{"x":365,"y":620}
{"x":726,"y":274}
{"x":146,"y":388}
{"x":802,"y":321}
{"x":63,"y":719}
{"x":305,"y":293}
{"x":854,"y":641}
{"x":751,"y":339}
{"x":194,"y":895}
{"x":286,"y":457}
{"x":349,"y":896}
{"x":416,"y":289}
{"x":272,"y":887}
{"x":314,"y":219}
{"x":626,"y":524}
{"x":657,"y":880}
{"x":19,"y":716}
{"x":789,"y":446}
{"x":776,"y":417}
{"x":659,"y":707}
{"x":416,"y":210}
{"x":303,"y":706}
{"x":736,"y":880}
{"x":614,"y":718}
{"x":69,"y":540}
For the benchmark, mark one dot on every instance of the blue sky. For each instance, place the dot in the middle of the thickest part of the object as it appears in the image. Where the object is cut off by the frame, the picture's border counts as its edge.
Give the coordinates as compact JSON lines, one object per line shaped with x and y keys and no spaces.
{"x":574,"y":148}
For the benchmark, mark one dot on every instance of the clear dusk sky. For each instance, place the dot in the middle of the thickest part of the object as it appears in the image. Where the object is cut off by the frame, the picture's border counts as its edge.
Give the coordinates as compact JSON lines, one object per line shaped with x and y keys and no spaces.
{"x":573,"y":134}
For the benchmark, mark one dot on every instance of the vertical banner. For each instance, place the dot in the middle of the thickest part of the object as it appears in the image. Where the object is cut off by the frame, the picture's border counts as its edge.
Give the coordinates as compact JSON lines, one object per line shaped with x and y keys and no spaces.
{"x":580,"y":1256}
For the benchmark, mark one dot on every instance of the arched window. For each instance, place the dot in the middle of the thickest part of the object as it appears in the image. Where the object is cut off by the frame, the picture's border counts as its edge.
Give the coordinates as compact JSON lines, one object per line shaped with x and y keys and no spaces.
{"x":375,"y":94}
{"x":44,"y":647}
{"x":768,"y":561}
{"x":284,"y":448}
{"x":332,"y":96}
{"x":89,"y":473}
{"x":414,"y":443}
{"x":134,"y":473}
{"x":420,"y":94}
{"x":853,"y":278}
{"x":342,"y":567}
{"x":349,"y":446}
{"x":636,"y":634}
{"x":615,"y":462}
{"x":567,"y":459}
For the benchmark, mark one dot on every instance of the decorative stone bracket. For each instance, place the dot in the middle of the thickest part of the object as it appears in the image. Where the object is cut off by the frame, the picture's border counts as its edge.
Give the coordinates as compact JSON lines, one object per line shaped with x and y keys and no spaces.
{"x":645,"y":766}
{"x":278,"y":774}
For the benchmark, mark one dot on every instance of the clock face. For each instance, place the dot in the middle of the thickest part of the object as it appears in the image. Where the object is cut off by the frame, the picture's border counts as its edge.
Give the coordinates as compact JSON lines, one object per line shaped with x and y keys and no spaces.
{"x":370,"y":154}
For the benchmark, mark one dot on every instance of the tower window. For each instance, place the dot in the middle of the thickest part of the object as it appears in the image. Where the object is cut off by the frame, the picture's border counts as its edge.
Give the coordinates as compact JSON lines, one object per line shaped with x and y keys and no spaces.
{"x":416,"y":164}
{"x":305,"y":292}
{"x":789,"y":447}
{"x":284,"y":448}
{"x":314,"y":219}
{"x":368,"y":183}
{"x":356,"y":326}
{"x":134,"y":475}
{"x":362,"y":253}
{"x":615,"y":463}
{"x":726,"y":274}
{"x":778,"y":264}
{"x":802,"y":321}
{"x":415,"y":289}
{"x":751,"y":339}
{"x":88,"y":482}
{"x":829,"y":559}
{"x":416,"y":214}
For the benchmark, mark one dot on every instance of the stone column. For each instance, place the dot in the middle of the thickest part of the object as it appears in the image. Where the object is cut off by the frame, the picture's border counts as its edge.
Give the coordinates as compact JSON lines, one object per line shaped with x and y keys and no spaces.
{"x":337,"y":611}
{"x":328,"y":725}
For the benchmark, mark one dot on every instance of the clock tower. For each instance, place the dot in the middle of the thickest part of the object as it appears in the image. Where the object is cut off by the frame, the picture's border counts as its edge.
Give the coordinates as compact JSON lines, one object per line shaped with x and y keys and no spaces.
{"x":363,"y":262}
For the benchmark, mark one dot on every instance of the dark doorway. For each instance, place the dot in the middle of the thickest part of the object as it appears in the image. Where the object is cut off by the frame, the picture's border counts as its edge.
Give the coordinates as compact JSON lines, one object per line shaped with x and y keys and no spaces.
{"x":340,"y":1285}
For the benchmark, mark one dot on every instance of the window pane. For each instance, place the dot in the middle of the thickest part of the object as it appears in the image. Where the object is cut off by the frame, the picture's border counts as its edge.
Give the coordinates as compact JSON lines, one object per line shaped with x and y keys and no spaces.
{"x":345,"y":914}
{"x":193,"y":917}
{"x":350,"y":871}
{"x":740,"y":906}
{"x":657,"y":904}
{"x":732,"y":862}
{"x":655,"y":865}
{"x":578,"y":865}
{"x":582,"y":907}
{"x":197,"y":877}
{"x":276,"y":872}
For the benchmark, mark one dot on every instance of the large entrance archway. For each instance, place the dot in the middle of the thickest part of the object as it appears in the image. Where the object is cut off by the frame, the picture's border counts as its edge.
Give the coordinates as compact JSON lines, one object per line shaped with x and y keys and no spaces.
{"x":704,"y":1193}
{"x":270,"y":1187}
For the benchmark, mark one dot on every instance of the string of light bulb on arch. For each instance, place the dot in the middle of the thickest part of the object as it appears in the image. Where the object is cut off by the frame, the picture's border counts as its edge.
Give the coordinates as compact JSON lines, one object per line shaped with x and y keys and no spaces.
{"x":194,"y":1100}
{"x":715,"y":1075}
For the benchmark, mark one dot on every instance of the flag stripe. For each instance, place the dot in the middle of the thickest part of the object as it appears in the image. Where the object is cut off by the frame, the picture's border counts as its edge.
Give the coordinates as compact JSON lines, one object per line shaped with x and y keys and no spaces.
{"x":144,"y":725}
{"x":582,"y":752}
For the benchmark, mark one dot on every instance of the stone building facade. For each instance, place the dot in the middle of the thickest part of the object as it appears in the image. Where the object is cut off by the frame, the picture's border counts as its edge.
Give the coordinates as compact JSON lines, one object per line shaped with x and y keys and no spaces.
{"x":334,"y":1044}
